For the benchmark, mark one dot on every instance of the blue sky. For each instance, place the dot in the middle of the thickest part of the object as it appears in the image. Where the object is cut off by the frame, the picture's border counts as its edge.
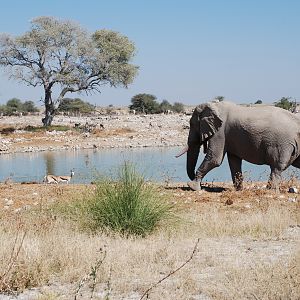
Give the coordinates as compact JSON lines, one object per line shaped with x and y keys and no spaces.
{"x":188,"y":51}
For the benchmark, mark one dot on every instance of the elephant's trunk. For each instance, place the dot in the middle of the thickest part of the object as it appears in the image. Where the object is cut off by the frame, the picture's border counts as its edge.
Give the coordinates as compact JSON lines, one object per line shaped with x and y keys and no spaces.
{"x":192,"y":157}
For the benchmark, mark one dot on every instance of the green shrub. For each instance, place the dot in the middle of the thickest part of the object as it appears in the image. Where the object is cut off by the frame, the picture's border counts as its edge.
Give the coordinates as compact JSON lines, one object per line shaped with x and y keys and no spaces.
{"x":129,"y":206}
{"x":75,"y":106}
{"x":47,"y":128}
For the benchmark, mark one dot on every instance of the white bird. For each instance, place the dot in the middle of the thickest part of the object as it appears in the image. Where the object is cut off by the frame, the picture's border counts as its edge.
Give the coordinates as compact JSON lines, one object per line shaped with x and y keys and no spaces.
{"x":58,"y":179}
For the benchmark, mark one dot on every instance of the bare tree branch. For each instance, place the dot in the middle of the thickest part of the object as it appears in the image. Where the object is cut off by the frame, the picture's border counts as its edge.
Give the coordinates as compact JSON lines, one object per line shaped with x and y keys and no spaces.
{"x":172,"y":272}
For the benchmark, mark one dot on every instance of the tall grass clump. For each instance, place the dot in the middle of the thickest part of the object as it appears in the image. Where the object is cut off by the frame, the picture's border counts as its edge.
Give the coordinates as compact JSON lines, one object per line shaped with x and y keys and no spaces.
{"x":129,"y":205}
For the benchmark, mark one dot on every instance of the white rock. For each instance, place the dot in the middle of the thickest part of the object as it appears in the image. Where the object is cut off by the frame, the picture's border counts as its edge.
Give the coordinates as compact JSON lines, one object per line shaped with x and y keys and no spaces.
{"x":9,"y":202}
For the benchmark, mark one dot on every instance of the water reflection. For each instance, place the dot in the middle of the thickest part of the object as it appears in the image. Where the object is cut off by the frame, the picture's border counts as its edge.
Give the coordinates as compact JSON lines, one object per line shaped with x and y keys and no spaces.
{"x":157,"y":164}
{"x":50,"y":163}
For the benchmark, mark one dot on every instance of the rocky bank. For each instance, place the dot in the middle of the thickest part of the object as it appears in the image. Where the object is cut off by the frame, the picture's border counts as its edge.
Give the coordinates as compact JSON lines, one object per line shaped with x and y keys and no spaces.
{"x":108,"y":131}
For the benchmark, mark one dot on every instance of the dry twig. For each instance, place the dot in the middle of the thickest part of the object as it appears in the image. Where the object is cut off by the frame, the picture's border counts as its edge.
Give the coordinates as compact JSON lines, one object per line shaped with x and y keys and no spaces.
{"x":92,"y":275}
{"x":172,"y":272}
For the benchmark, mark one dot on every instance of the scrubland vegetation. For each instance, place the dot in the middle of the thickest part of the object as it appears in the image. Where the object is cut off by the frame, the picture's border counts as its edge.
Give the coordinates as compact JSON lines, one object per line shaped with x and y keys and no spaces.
{"x":119,"y":237}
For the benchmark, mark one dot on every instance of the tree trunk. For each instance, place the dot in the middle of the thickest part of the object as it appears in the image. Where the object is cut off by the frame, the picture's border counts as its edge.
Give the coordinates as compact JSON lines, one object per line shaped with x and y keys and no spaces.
{"x":49,"y":108}
{"x":47,"y":120}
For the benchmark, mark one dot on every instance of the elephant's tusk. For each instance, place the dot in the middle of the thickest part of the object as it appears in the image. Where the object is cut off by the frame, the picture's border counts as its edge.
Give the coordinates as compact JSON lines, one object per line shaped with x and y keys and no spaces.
{"x":182,"y":152}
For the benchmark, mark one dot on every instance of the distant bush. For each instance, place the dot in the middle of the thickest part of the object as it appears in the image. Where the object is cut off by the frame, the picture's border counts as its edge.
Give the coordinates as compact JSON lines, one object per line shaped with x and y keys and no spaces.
{"x":29,"y":106}
{"x":220,"y":98}
{"x":129,"y":206}
{"x":15,"y":105}
{"x":147,"y":104}
{"x":285,"y":103}
{"x":165,"y":106}
{"x":46,"y":128}
{"x":178,"y":107}
{"x":144,"y":103}
{"x":75,"y":106}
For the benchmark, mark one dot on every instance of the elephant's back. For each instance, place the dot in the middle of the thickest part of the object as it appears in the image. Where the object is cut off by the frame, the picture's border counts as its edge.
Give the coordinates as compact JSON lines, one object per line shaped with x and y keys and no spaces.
{"x":267,"y":118}
{"x":249,"y":130}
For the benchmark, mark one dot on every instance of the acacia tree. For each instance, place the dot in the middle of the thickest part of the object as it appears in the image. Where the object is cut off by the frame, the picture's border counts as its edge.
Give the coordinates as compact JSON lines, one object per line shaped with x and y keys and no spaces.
{"x":144,"y":103}
{"x":60,"y":56}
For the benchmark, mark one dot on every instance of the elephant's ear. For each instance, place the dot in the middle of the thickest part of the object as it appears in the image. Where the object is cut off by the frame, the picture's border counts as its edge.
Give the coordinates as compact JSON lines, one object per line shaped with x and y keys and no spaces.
{"x":209,"y":121}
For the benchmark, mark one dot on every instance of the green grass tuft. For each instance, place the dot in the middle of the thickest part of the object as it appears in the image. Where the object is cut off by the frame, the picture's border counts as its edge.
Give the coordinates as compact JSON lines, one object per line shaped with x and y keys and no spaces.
{"x":129,"y":206}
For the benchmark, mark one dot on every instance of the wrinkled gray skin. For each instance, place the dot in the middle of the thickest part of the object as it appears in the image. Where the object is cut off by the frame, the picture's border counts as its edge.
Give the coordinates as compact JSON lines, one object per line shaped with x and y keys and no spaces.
{"x":260,"y":135}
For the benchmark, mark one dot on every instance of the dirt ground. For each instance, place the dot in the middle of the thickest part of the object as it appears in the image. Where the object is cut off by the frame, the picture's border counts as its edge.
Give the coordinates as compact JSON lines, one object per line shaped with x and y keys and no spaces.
{"x":255,"y":197}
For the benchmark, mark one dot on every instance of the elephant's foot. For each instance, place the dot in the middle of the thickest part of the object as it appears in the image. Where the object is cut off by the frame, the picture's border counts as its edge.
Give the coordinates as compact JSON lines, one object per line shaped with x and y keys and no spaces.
{"x":238,"y":186}
{"x":194,"y":185}
{"x":238,"y":181}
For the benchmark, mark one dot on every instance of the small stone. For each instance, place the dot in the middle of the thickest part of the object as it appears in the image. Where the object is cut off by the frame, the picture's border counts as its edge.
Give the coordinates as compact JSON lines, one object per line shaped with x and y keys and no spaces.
{"x":9,"y":202}
{"x":293,"y":190}
{"x":228,"y":202}
{"x":3,"y":148}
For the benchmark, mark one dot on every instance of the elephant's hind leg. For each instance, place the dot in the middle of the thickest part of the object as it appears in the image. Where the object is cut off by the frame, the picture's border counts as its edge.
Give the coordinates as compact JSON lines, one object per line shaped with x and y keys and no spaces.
{"x":274,"y":179}
{"x":279,"y":161}
{"x":235,"y":164}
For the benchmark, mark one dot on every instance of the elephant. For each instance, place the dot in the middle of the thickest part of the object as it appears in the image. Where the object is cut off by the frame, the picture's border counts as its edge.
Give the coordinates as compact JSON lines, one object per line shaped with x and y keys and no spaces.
{"x":262,"y":135}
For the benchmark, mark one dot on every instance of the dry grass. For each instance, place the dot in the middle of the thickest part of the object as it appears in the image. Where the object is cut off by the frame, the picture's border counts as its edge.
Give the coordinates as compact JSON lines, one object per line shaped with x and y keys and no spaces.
{"x":259,"y":224}
{"x":112,"y":132}
{"x":243,"y":253}
{"x":260,"y":281}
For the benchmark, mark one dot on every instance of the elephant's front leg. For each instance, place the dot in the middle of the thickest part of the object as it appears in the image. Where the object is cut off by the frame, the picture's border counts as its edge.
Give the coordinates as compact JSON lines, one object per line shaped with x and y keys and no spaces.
{"x":235,"y":165}
{"x":213,"y":158}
